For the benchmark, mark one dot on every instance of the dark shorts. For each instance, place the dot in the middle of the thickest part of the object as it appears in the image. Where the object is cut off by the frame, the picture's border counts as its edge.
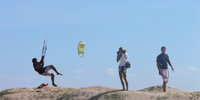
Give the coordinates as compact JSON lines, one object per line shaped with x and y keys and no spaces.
{"x":122,"y":69}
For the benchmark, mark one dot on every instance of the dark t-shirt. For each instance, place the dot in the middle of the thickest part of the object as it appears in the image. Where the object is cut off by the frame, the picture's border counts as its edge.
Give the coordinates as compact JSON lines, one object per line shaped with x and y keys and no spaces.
{"x":163,"y":59}
{"x":41,"y":70}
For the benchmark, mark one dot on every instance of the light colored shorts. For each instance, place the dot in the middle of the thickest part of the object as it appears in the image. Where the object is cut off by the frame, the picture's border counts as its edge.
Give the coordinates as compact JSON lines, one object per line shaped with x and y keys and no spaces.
{"x":164,"y":75}
{"x":46,"y":71}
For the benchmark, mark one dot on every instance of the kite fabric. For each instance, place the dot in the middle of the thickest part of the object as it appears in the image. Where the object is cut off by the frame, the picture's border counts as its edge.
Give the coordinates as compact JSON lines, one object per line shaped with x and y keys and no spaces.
{"x":81,"y":47}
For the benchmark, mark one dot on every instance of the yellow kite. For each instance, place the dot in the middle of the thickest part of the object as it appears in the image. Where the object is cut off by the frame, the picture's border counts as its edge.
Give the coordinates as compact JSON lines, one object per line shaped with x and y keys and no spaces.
{"x":81,"y":47}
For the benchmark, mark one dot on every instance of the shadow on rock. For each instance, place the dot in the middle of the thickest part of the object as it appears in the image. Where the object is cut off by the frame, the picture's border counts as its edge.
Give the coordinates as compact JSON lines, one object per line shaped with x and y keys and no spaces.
{"x":99,"y":95}
{"x":2,"y":94}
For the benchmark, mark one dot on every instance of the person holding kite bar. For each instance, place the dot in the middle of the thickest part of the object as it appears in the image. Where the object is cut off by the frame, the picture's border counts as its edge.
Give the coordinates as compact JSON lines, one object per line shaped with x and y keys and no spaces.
{"x":39,"y":67}
{"x":162,"y":65}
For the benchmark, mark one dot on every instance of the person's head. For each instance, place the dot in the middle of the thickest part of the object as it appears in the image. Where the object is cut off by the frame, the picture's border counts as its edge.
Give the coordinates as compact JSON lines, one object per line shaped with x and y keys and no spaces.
{"x":34,"y":60}
{"x":163,"y":49}
{"x":121,"y":49}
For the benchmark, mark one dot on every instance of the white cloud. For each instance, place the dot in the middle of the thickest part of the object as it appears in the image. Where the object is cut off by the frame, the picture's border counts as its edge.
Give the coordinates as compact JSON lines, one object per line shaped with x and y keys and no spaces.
{"x":192,"y":68}
{"x":111,"y":71}
{"x":79,"y":71}
{"x":187,"y":71}
{"x":180,"y":73}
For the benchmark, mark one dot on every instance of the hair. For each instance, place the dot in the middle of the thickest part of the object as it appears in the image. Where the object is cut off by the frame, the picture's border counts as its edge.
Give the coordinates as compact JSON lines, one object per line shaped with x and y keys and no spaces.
{"x":163,"y":47}
{"x":121,"y":48}
{"x":34,"y":59}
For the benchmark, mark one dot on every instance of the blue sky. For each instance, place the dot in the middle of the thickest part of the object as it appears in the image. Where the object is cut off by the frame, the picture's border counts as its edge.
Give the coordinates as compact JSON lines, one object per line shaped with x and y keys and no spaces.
{"x":141,"y":26}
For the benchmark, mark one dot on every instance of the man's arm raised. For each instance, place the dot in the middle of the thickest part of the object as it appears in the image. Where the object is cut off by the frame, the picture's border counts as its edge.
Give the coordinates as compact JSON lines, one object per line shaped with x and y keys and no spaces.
{"x":42,"y":61}
{"x":118,"y":57}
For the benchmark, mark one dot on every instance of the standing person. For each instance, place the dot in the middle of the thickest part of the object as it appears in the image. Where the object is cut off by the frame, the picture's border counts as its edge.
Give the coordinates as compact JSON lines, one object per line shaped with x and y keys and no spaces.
{"x":39,"y":67}
{"x":162,"y":64}
{"x":122,"y":56}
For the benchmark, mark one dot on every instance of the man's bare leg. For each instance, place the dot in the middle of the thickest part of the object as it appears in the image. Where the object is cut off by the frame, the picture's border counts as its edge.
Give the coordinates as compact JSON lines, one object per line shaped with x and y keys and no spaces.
{"x":164,"y":86}
{"x":125,"y":78}
{"x":122,"y":81}
{"x":52,"y":79}
{"x":52,"y":67}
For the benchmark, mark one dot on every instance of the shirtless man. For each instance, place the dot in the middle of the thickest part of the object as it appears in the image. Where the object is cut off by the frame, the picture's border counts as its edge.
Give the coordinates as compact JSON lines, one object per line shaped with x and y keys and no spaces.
{"x":44,"y":71}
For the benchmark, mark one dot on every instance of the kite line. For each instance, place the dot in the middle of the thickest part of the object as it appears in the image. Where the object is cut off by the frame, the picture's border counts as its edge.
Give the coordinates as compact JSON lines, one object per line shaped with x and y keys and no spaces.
{"x":44,"y":48}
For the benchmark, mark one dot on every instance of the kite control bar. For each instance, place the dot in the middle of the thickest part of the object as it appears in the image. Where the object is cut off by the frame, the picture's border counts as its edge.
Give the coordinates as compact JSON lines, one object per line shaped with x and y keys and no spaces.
{"x":44,"y":48}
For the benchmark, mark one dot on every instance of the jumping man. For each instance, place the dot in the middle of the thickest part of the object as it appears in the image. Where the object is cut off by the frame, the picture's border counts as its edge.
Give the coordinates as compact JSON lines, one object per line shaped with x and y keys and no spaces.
{"x":39,"y":67}
{"x":162,"y":64}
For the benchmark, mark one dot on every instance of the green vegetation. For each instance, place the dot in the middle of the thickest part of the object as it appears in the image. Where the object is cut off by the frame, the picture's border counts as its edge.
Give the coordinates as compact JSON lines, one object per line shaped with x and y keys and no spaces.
{"x":194,"y":95}
{"x":114,"y":96}
{"x":4,"y":92}
{"x":161,"y":98}
{"x":68,"y":96}
{"x":152,"y":97}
